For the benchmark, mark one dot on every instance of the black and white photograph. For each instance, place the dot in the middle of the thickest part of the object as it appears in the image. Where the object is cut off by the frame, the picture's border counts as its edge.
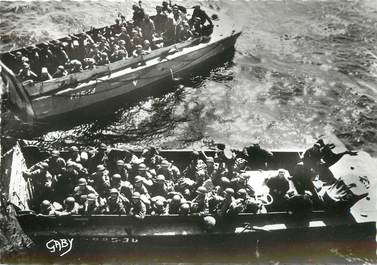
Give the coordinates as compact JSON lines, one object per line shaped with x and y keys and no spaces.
{"x":188,"y":132}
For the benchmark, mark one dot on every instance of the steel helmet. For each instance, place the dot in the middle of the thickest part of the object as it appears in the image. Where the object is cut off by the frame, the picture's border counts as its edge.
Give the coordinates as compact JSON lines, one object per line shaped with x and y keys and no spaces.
{"x":46,"y":203}
{"x":165,"y":163}
{"x":229,"y":191}
{"x":100,"y":168}
{"x":138,"y":179}
{"x":176,"y":198}
{"x":136,"y":195}
{"x":70,"y":200}
{"x":242,"y":192}
{"x":201,"y":190}
{"x":82,"y":182}
{"x":142,"y":167}
{"x":113,"y":190}
{"x":120,"y":163}
{"x":225,"y":180}
{"x":55,"y":153}
{"x":74,"y":149}
{"x":116,"y":176}
{"x":160,"y":178}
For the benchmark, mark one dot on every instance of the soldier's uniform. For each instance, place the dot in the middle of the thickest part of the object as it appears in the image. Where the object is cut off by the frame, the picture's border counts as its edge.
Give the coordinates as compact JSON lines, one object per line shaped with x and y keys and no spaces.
{"x":116,"y":204}
{"x":101,"y":181}
{"x":125,"y":188}
{"x":56,"y":164}
{"x":200,"y":203}
{"x":99,"y":158}
{"x":43,"y":181}
{"x":138,"y":208}
{"x":70,"y":207}
{"x":83,"y":189}
{"x":174,"y":204}
{"x":228,"y":204}
{"x":122,"y":170}
{"x":161,"y":187}
{"x":159,"y":208}
{"x":93,"y":205}
{"x":170,"y":171}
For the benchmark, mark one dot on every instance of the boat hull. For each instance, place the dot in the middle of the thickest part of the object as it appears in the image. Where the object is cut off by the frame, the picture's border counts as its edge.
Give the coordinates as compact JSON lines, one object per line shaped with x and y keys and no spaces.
{"x":177,"y":234}
{"x":111,"y":87}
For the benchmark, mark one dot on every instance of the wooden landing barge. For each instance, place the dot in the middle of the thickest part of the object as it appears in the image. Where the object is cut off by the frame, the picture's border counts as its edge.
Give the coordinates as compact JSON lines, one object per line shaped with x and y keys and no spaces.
{"x":78,"y":91}
{"x":319,"y":230}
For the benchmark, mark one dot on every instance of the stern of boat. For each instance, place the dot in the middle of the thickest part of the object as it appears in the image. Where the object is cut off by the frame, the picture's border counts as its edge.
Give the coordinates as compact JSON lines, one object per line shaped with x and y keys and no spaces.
{"x":19,"y":100}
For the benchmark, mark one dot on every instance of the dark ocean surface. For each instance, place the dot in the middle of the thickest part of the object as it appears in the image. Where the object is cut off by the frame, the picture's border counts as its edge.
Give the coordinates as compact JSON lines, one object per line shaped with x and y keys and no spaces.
{"x":301,"y":69}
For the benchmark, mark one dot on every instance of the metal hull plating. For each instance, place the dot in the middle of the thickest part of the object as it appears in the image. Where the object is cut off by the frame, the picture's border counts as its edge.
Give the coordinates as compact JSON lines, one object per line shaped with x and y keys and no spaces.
{"x":267,"y":234}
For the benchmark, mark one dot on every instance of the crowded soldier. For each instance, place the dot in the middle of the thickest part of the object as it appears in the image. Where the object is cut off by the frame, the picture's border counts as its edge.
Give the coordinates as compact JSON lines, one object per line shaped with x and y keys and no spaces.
{"x":60,"y":72}
{"x":47,"y":208}
{"x":138,"y":208}
{"x":26,"y":74}
{"x":101,"y":180}
{"x":93,"y":205}
{"x":150,"y":184}
{"x":110,"y":44}
{"x":82,"y":190}
{"x":116,"y":204}
{"x":124,"y":187}
{"x":70,"y":207}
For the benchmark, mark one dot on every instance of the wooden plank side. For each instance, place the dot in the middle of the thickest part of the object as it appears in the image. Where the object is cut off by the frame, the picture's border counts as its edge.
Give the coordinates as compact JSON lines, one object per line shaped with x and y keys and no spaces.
{"x":18,"y":187}
{"x":35,"y":89}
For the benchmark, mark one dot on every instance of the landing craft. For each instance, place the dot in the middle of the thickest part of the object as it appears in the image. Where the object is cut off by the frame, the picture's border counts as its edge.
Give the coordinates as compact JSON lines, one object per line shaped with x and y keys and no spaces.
{"x":318,"y":231}
{"x":79,"y":91}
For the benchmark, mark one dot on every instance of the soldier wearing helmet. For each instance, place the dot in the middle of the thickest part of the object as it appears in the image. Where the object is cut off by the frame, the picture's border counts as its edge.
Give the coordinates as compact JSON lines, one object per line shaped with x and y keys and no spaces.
{"x":138,"y":208}
{"x":60,"y":72}
{"x":101,"y":180}
{"x":281,"y":188}
{"x":247,"y":204}
{"x":74,"y":154}
{"x":161,"y":187}
{"x":83,"y":189}
{"x":199,"y":204}
{"x":56,"y":163}
{"x":47,"y":208}
{"x":159,"y":207}
{"x":26,"y":74}
{"x":125,"y":188}
{"x":100,"y":157}
{"x":170,"y":171}
{"x":93,"y":205}
{"x":185,"y":209}
{"x":144,"y":172}
{"x":116,"y":203}
{"x":151,"y":157}
{"x":140,"y":187}
{"x":42,"y":179}
{"x":122,"y":169}
{"x":175,"y":204}
{"x":196,"y":164}
{"x":228,"y":206}
{"x":70,"y":206}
